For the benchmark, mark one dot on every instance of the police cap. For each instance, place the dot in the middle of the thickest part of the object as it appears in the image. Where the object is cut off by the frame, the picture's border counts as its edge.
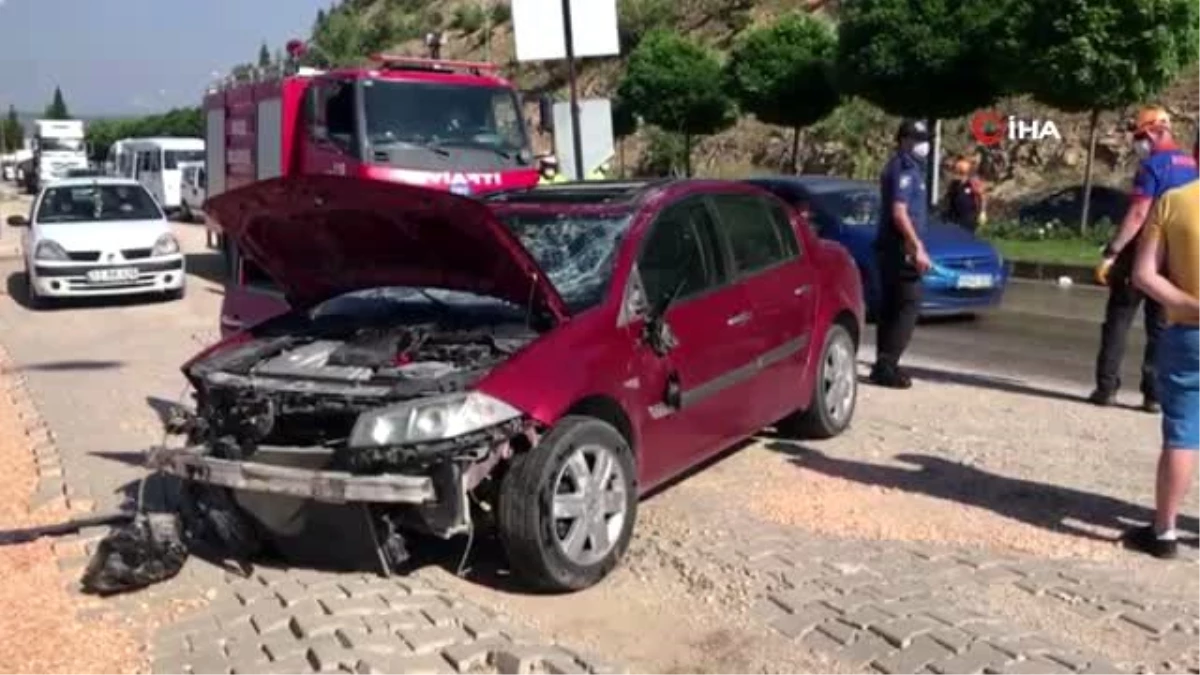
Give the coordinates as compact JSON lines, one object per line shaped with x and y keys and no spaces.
{"x":911,"y":129}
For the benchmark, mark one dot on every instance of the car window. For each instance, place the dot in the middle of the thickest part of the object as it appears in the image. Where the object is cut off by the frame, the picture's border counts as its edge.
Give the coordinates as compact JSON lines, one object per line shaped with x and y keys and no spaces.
{"x":753,"y":236}
{"x":681,"y":255}
{"x":783,"y":226}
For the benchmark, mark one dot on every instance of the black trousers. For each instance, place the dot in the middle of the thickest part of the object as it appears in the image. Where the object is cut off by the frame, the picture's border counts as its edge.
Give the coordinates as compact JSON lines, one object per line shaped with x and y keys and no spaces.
{"x":899,"y":308}
{"x":1124,"y":300}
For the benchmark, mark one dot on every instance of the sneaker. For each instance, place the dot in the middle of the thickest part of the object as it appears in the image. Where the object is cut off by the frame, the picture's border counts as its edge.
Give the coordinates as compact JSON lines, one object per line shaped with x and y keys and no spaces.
{"x":1101,"y":398}
{"x":892,"y":378}
{"x":1151,"y":406}
{"x":1146,"y":540}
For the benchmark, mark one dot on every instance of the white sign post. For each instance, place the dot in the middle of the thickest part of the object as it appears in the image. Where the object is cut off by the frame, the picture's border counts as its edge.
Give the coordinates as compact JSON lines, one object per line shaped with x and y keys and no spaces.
{"x":556,"y":29}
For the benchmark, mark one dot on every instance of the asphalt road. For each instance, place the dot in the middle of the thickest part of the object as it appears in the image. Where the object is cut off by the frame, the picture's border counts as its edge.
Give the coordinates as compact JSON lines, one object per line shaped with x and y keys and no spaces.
{"x":1040,"y":330}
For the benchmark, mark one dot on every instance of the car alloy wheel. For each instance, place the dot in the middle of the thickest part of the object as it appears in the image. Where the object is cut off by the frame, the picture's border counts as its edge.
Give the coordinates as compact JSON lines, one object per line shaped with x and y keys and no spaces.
{"x":840,"y":381}
{"x":835,"y":390}
{"x":568,"y":505}
{"x":589,"y":505}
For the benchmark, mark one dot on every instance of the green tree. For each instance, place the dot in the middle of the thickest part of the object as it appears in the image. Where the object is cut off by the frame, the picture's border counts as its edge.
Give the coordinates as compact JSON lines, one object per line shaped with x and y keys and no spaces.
{"x":264,"y":56}
{"x":784,"y":74}
{"x":340,"y":41}
{"x":13,"y":133}
{"x":1096,"y":55}
{"x":675,"y":83}
{"x":57,"y":110}
{"x":636,"y":18}
{"x":922,"y":58}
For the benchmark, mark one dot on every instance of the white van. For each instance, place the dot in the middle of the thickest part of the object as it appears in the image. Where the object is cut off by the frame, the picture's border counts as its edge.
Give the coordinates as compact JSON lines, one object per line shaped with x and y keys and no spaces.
{"x":120,"y":159}
{"x":158,"y":162}
{"x":192,"y":194}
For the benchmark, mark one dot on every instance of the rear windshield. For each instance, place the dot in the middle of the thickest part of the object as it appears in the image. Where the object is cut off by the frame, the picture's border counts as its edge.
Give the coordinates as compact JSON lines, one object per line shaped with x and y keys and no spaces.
{"x":851,"y":208}
{"x":92,"y":203}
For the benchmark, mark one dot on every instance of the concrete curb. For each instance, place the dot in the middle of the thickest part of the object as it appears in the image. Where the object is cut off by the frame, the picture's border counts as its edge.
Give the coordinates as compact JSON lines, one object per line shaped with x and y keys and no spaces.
{"x":1079,"y":274}
{"x":51,"y":489}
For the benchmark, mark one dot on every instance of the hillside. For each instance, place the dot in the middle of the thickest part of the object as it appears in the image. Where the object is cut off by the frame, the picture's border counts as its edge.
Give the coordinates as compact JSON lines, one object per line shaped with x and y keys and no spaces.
{"x":852,"y":141}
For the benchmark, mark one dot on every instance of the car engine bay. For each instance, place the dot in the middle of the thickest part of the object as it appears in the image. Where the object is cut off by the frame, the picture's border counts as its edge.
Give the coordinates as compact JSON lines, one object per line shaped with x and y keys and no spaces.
{"x":308,"y":387}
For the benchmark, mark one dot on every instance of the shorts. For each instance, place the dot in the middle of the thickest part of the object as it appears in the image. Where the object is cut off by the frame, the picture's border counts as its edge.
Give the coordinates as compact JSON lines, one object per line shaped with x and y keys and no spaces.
{"x":1179,"y":386}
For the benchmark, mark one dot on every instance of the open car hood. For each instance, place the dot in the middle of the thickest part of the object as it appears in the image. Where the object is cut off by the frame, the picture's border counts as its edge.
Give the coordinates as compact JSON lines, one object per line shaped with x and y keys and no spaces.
{"x":319,"y":237}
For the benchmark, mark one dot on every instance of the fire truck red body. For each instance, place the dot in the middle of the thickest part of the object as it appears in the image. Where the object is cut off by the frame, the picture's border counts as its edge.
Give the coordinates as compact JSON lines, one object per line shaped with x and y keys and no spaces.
{"x":443,"y":124}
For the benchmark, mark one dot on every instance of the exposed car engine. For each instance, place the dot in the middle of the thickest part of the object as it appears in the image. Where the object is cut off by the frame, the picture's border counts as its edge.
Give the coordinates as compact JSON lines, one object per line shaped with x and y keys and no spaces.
{"x":308,"y":388}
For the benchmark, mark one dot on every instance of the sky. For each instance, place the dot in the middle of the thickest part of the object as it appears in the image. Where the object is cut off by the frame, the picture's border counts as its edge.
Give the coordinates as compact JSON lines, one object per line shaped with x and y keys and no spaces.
{"x":134,"y":56}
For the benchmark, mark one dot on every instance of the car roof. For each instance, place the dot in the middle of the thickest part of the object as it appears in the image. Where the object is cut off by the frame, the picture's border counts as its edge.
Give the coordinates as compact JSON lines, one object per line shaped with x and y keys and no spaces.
{"x":82,"y":181}
{"x":581,"y":193}
{"x":816,"y":184}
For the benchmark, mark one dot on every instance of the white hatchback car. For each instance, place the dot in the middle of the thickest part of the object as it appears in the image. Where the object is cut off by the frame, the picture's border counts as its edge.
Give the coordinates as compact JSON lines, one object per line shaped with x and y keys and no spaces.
{"x":99,"y":237}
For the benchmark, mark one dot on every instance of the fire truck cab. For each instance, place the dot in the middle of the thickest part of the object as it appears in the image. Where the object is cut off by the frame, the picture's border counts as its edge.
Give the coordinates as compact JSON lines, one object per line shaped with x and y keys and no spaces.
{"x":448,"y":125}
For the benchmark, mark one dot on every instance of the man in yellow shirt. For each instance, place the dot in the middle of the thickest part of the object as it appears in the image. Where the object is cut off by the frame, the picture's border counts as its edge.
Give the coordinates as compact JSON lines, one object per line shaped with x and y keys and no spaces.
{"x":1167,"y":269}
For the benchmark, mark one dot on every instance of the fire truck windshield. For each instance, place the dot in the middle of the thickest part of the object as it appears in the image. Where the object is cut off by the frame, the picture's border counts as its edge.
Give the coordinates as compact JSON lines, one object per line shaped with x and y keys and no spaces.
{"x":430,"y":125}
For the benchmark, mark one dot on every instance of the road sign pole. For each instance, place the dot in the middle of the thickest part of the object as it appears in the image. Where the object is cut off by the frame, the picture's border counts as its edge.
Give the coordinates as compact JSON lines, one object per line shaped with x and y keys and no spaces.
{"x":576,"y":136}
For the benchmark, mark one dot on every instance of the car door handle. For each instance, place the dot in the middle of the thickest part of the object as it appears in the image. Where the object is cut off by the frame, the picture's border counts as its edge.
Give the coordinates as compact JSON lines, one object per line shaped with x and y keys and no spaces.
{"x":801,"y":290}
{"x":738,"y":319}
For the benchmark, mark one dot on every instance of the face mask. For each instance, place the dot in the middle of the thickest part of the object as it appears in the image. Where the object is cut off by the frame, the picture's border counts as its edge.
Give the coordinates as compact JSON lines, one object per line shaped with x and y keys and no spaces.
{"x":1143,"y":147}
{"x":921,"y":150}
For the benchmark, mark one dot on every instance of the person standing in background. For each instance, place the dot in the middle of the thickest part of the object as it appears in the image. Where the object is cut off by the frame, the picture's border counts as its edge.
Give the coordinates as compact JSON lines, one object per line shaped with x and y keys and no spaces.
{"x":1167,"y":269}
{"x":1163,"y":166}
{"x":964,"y":197}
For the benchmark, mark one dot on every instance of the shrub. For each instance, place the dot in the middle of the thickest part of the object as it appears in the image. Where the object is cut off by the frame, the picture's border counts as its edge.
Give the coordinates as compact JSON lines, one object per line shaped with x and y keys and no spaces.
{"x":468,"y":18}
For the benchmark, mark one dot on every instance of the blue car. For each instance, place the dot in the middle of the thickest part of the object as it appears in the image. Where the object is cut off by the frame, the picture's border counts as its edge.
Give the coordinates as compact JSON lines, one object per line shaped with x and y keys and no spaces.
{"x":968,"y":273}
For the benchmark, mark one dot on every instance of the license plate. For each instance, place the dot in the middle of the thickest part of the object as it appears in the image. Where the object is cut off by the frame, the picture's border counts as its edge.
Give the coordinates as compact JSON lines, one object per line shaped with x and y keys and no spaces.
{"x":974,"y":281}
{"x":115,"y":274}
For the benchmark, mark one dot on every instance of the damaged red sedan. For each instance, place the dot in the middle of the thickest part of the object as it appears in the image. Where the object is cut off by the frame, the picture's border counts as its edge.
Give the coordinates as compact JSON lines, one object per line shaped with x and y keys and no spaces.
{"x":537,"y":359}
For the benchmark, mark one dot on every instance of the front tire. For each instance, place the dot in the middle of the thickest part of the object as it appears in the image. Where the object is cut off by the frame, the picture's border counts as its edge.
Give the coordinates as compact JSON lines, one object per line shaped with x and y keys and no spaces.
{"x":568,"y":506}
{"x":835,"y":390}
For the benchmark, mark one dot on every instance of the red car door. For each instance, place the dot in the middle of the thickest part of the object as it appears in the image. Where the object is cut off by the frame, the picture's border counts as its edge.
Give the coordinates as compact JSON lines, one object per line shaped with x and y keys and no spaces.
{"x":782,"y":293}
{"x":692,"y":396}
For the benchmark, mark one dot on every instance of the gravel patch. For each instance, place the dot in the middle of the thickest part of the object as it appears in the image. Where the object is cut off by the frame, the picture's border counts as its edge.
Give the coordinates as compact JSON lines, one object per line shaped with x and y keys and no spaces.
{"x":39,"y":614}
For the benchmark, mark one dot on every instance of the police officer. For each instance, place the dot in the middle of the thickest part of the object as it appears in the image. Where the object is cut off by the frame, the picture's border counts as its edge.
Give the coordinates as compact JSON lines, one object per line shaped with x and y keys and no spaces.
{"x":1163,"y":166}
{"x":900,"y":253}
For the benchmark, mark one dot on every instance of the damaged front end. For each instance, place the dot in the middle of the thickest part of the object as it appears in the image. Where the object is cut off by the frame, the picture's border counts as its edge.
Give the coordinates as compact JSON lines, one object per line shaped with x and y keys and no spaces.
{"x":337,"y":413}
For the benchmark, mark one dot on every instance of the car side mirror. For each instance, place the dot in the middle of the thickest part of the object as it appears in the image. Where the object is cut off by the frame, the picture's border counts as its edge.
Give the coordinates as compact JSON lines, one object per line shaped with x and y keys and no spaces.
{"x":18,"y":221}
{"x":657,"y":334}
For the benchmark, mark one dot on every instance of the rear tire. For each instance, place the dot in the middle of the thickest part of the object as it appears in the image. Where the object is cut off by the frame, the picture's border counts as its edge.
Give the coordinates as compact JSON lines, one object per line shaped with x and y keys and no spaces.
{"x":583,"y":470}
{"x":835,"y":390}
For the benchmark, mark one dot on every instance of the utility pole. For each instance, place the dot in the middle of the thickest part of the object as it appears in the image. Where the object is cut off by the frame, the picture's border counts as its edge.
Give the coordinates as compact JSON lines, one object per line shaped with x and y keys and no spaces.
{"x":576,"y":136}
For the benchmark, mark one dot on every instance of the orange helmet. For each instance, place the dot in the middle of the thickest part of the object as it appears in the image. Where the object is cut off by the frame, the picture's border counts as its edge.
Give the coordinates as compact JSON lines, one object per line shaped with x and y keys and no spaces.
{"x":1150,"y":118}
{"x":962,"y":166}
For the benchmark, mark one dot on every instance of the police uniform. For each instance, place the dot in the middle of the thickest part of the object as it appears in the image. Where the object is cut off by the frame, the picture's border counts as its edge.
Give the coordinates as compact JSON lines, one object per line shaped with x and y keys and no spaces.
{"x":1165,"y":168}
{"x":902,"y":180}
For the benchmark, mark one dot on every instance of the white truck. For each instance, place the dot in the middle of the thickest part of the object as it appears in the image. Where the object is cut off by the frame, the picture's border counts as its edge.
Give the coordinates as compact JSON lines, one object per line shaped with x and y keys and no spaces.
{"x":58,"y":147}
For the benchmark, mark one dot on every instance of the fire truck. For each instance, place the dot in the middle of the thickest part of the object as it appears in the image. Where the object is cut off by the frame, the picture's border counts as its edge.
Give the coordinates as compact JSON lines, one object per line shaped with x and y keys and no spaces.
{"x":447,"y":125}
{"x":450,"y":125}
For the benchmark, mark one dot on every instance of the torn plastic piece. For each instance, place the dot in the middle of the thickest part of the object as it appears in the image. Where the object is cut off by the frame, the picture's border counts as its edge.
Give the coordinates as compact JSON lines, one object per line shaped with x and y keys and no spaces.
{"x":147,"y":551}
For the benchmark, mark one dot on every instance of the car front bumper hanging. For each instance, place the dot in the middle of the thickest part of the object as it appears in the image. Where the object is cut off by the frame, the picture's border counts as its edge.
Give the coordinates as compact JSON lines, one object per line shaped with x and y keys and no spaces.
{"x":333,"y":487}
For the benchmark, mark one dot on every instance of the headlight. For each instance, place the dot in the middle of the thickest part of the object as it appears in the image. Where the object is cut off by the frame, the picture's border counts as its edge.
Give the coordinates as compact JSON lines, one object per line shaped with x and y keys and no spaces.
{"x":166,"y":245}
{"x":430,"y":419}
{"x":49,"y":250}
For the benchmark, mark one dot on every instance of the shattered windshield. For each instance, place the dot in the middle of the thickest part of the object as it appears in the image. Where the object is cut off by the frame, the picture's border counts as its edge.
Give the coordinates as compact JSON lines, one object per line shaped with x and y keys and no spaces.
{"x":577,"y":251}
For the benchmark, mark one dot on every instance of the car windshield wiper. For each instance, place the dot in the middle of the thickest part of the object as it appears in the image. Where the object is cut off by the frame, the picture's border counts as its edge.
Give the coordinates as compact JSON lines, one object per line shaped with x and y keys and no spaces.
{"x":431,"y":146}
